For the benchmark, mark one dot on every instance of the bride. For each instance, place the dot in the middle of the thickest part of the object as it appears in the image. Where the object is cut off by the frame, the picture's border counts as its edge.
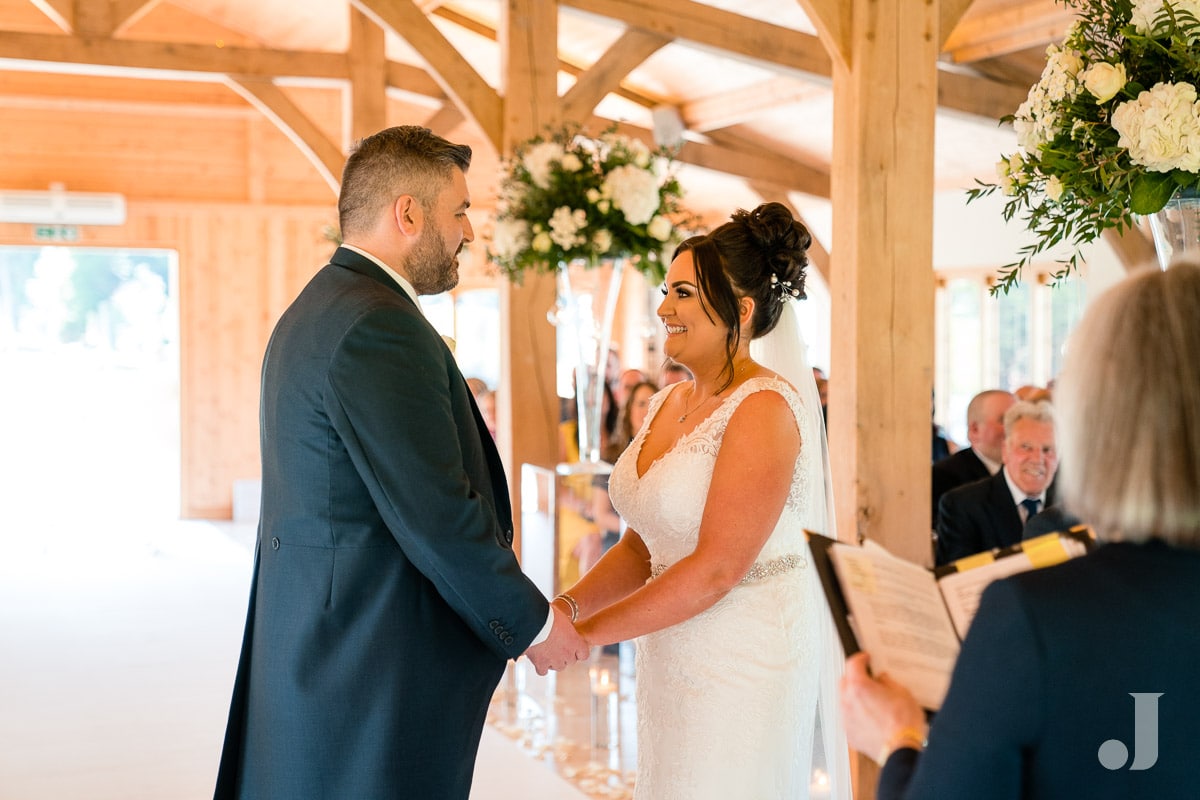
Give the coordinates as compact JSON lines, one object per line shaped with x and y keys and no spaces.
{"x":713,"y":576}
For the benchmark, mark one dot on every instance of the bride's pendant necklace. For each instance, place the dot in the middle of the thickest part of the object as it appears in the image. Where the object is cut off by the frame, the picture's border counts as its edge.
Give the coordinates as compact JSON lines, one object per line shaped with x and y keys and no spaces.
{"x":689,"y":411}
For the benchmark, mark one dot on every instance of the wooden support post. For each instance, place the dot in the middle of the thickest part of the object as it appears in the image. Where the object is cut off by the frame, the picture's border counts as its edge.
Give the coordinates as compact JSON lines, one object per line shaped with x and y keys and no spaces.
{"x":527,"y":403}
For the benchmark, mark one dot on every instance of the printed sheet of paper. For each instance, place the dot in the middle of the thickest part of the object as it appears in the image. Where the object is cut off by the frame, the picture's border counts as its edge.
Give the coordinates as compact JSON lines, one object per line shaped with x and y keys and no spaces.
{"x":899,"y":618}
{"x":963,"y":589}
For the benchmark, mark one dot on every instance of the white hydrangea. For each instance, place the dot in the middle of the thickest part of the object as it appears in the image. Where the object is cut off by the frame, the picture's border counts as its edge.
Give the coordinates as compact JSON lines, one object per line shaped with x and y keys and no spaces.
{"x":539,"y":161}
{"x":1145,"y":12}
{"x":565,"y":225}
{"x":634,"y":192}
{"x":1037,"y":119}
{"x":509,"y":238}
{"x":1161,"y":128}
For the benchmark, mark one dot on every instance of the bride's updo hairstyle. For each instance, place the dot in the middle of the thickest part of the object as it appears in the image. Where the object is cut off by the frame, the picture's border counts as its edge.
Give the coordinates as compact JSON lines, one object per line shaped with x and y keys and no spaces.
{"x":760,"y":254}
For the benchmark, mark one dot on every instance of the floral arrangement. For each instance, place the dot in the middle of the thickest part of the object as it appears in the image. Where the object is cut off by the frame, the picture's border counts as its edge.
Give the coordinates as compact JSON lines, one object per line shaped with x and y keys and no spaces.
{"x":1111,"y":130}
{"x":565,"y":196}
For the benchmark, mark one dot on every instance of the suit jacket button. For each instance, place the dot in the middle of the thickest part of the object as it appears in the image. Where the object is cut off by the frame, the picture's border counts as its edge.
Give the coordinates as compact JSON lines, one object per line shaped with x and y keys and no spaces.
{"x":274,"y":542}
{"x":508,"y":536}
{"x":508,"y":640}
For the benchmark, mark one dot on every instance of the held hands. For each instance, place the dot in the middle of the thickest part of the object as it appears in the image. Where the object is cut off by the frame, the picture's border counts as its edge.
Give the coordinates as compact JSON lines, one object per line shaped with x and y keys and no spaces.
{"x":880,"y":715}
{"x":563,"y":647}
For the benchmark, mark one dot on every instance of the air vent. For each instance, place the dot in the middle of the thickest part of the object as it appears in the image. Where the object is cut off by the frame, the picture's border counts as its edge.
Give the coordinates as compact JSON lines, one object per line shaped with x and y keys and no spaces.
{"x":60,"y":207}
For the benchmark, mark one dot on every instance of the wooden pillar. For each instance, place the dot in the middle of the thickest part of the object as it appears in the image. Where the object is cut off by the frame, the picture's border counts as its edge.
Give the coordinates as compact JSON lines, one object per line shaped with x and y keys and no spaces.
{"x":884,"y":55}
{"x":527,"y":404}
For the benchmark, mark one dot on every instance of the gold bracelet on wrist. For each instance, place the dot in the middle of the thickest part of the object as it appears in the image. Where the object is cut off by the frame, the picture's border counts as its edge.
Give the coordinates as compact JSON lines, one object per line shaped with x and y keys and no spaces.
{"x":905,"y":737}
{"x":572,"y":606}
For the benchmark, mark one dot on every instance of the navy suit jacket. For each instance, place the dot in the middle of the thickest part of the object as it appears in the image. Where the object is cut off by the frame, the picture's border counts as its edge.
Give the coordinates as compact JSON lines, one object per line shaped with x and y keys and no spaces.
{"x":978,"y":516}
{"x":1045,"y":679}
{"x":386,"y":597}
{"x":953,"y":471}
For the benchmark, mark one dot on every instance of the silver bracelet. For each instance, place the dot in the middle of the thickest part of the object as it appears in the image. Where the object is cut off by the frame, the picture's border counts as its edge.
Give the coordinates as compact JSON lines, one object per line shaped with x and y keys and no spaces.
{"x":571,"y":604}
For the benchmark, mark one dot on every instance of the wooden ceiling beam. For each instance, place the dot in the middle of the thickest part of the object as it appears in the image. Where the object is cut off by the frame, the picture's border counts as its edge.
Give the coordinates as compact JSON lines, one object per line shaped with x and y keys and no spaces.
{"x":753,"y":164}
{"x":1007,"y":30}
{"x":603,"y":77}
{"x":453,"y":73}
{"x":712,"y":27}
{"x":60,"y":12}
{"x":270,"y":100}
{"x":832,"y":19}
{"x":126,"y":13}
{"x":177,"y":59}
{"x":721,"y":110}
{"x":979,"y":96}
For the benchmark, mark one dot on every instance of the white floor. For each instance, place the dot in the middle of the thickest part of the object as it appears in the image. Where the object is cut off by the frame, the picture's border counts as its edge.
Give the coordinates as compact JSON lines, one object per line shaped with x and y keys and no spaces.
{"x":118,"y":648}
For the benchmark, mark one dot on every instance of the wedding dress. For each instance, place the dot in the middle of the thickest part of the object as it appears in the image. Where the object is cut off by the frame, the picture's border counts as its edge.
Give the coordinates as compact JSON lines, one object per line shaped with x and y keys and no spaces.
{"x":727,"y":700}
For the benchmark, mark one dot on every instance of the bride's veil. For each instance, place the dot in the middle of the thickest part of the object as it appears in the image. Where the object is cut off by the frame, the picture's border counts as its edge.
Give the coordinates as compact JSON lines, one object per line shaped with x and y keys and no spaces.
{"x":784,"y":351}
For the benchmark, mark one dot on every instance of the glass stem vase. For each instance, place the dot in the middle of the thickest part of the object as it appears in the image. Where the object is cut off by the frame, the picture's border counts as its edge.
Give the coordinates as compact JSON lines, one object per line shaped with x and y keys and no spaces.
{"x":587,"y":303}
{"x":1176,"y":228}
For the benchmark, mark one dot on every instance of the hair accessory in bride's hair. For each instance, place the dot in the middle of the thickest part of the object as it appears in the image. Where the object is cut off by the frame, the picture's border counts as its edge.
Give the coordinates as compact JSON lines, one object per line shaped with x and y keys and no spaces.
{"x":784,"y":288}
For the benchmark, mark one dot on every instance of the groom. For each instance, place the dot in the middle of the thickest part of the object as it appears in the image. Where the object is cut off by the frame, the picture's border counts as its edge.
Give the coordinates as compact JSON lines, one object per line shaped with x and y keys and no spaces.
{"x":386,"y":598}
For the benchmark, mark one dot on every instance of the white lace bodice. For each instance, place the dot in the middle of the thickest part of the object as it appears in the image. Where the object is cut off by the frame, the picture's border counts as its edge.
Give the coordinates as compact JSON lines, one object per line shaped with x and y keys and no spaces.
{"x":666,"y":503}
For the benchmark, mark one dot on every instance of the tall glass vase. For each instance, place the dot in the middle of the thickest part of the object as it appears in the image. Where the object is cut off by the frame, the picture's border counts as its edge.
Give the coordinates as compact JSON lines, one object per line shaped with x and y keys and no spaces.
{"x":1176,"y":228}
{"x":587,"y":302}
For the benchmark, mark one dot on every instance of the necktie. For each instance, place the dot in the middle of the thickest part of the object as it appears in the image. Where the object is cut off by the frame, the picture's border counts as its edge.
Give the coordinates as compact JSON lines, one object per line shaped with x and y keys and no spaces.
{"x":1030,"y":505}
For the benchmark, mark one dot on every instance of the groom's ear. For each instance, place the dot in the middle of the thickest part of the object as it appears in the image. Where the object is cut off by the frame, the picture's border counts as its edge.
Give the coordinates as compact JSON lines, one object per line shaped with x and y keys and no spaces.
{"x":408,"y":214}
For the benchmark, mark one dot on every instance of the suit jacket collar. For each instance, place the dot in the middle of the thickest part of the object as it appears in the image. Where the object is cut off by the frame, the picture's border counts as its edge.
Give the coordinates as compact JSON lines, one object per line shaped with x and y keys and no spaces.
{"x":357,"y":262}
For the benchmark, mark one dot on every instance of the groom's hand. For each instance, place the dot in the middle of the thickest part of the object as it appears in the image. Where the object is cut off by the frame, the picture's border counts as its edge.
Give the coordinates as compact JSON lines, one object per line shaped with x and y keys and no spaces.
{"x":563,"y":647}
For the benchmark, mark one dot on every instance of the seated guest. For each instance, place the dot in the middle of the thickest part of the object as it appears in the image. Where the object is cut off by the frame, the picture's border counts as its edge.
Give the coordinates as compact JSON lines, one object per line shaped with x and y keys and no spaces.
{"x":1078,"y":680}
{"x":985,"y":432}
{"x":992,"y":512}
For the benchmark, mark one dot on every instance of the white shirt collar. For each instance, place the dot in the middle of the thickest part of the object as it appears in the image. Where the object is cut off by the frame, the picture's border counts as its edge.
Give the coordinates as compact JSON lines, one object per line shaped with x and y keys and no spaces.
{"x":396,"y":276}
{"x":1018,"y":495}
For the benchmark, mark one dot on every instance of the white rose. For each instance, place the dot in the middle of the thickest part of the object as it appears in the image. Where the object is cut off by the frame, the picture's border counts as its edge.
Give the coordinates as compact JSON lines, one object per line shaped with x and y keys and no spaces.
{"x":603,"y":240}
{"x":603,"y":206}
{"x":659,"y":228}
{"x":1054,"y":188}
{"x":1007,"y":186}
{"x":1003,"y":170}
{"x":593,"y":196}
{"x":1104,"y":80}
{"x":571,"y":163}
{"x":542,"y":243}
